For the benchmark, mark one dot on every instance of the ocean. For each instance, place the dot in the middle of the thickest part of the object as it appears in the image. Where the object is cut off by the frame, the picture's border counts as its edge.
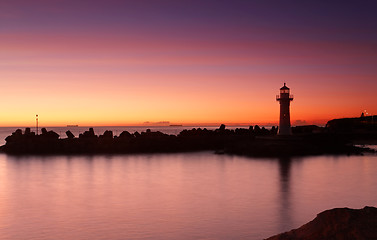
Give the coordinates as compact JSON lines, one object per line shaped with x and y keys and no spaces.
{"x":183,"y":196}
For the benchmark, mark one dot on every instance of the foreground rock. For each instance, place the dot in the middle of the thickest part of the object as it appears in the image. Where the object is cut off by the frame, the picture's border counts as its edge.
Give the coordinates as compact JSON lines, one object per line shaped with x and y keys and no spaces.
{"x":337,"y":224}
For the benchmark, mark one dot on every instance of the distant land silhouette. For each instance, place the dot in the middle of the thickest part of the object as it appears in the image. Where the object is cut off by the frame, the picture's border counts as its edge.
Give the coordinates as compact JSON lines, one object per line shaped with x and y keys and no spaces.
{"x":337,"y":137}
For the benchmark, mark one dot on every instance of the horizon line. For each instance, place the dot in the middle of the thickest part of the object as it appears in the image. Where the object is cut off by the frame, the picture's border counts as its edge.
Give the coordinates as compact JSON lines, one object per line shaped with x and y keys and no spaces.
{"x":168,"y":125}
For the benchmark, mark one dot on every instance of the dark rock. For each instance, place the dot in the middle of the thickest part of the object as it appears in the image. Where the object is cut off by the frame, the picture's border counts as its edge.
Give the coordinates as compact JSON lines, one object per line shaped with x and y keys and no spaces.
{"x":137,"y":134}
{"x":274,"y":130}
{"x":88,"y":134}
{"x":44,"y":131}
{"x":69,"y":134}
{"x":337,"y":224}
{"x":125,"y":134}
{"x":107,"y":134}
{"x":52,"y":134}
{"x":257,"y":128}
{"x":27,"y":131}
{"x":16,"y":136}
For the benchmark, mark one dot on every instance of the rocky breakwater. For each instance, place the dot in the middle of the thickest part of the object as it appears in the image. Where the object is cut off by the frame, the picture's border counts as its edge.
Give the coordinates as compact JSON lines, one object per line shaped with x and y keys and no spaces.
{"x":196,"y":139}
{"x":337,"y":224}
{"x":252,"y":141}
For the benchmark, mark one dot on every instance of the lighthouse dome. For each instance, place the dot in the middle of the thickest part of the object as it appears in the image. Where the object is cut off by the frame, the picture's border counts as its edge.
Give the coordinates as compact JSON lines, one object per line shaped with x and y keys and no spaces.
{"x":284,"y":87}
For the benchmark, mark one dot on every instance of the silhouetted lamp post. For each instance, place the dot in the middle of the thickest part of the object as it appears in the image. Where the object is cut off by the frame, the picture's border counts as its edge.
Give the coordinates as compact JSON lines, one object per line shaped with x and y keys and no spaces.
{"x":285,"y":120}
{"x":36,"y":120}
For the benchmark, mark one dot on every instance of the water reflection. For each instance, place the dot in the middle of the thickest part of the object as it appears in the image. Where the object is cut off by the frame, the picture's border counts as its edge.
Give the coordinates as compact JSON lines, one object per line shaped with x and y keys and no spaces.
{"x":285,"y":165}
{"x":174,"y":196}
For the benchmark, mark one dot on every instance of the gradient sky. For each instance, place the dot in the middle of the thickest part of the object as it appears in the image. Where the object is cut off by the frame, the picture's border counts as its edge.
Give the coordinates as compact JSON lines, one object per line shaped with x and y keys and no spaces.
{"x":127,"y":62}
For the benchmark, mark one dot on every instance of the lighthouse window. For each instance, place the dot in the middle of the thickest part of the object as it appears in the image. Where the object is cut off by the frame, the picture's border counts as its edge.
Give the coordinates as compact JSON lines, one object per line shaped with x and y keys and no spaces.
{"x":284,"y":91}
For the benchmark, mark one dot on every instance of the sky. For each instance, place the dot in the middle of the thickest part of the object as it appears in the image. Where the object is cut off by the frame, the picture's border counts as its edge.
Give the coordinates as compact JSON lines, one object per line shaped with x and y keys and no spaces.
{"x":113,"y":62}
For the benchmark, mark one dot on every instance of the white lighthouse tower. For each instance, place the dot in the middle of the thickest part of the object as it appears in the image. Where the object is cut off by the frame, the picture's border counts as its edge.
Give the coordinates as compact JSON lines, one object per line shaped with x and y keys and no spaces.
{"x":285,"y":120}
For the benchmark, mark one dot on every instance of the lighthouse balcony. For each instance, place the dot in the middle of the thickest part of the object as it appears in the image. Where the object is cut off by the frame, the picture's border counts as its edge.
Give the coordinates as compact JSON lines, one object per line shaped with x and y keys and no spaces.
{"x":285,"y":97}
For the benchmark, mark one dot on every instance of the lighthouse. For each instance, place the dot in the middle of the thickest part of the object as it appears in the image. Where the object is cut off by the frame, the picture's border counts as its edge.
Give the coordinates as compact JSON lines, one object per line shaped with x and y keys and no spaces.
{"x":285,"y":120}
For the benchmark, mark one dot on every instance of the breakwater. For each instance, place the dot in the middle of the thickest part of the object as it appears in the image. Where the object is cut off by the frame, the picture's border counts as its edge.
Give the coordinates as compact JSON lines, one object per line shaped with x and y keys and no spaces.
{"x":252,"y":141}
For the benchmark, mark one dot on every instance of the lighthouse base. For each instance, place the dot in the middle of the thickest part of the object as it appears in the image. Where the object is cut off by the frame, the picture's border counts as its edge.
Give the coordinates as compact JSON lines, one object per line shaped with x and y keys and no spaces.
{"x":285,"y":130}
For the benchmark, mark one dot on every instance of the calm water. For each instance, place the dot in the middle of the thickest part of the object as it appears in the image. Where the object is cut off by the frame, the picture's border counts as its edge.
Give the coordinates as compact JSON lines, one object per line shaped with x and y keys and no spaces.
{"x":175,"y":196}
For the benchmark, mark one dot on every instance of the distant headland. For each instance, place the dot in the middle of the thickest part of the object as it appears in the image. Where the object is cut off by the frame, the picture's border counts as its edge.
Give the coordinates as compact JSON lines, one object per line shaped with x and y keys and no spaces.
{"x":339,"y":136}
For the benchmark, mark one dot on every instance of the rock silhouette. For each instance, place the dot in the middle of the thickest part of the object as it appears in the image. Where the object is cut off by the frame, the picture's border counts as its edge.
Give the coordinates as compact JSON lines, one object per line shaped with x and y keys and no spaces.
{"x":69,"y":134}
{"x":338,"y":223}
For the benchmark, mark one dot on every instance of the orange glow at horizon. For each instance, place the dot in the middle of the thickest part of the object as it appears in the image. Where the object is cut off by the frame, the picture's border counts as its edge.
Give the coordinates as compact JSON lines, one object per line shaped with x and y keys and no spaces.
{"x":192,"y":99}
